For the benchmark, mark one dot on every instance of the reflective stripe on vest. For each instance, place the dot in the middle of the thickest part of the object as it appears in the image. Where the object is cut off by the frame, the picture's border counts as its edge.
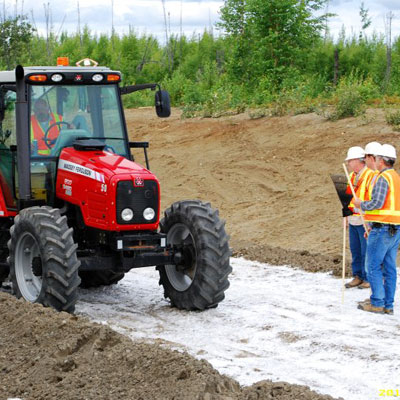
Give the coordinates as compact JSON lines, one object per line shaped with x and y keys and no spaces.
{"x":38,"y":133}
{"x":361,"y":186}
{"x":370,"y":184}
{"x":390,"y":211}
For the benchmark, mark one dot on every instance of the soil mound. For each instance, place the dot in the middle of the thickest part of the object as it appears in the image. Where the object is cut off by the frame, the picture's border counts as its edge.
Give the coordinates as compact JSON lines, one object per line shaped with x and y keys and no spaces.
{"x":48,"y":355}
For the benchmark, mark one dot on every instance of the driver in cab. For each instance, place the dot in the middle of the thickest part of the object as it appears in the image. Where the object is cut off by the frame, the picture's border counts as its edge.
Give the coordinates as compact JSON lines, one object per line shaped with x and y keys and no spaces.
{"x":45,"y":128}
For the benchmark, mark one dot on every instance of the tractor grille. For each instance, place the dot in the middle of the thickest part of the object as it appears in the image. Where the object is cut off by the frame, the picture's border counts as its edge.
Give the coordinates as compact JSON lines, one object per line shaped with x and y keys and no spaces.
{"x":137,"y":199}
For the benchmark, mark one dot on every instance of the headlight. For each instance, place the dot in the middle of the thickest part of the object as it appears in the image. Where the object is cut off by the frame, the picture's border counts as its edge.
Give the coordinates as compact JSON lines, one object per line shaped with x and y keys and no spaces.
{"x":126,"y":214}
{"x":56,"y":77}
{"x":97,"y":77}
{"x":149,"y":214}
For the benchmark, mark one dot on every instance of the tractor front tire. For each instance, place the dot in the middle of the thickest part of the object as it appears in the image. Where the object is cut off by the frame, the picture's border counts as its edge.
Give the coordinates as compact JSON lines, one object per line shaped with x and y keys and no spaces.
{"x":199,"y":281}
{"x":43,"y":261}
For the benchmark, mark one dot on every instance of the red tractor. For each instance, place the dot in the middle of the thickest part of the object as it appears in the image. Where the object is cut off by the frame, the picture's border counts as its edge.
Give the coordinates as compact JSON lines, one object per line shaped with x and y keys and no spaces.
{"x":77,"y":210}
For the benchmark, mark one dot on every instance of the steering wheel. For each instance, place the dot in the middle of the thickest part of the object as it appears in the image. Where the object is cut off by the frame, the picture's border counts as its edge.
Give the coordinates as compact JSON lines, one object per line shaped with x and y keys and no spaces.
{"x":50,"y":142}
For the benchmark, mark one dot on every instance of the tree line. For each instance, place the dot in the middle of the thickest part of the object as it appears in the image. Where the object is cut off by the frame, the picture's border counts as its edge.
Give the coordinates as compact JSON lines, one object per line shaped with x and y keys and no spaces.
{"x":274,"y":54}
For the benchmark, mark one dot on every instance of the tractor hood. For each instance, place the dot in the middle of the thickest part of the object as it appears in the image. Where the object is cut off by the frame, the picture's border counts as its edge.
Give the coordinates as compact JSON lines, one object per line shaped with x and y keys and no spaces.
{"x":102,"y":184}
{"x":103,"y":163}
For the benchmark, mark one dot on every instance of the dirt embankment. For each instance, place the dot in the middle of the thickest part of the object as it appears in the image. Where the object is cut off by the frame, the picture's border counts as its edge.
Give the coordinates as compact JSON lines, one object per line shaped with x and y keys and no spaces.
{"x":49,"y":355}
{"x":270,"y":178}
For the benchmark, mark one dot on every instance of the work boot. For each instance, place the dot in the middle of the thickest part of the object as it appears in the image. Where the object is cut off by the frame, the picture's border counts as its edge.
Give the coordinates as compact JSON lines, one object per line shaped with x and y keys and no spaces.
{"x":389,"y":311}
{"x":371,"y":308}
{"x":366,"y":301}
{"x":356,"y":281}
{"x":364,"y":285}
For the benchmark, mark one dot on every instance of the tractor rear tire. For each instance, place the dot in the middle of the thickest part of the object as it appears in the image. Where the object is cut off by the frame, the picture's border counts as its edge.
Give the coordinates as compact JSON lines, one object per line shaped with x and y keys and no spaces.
{"x":43,"y":261}
{"x":91,"y":279}
{"x":200,"y":281}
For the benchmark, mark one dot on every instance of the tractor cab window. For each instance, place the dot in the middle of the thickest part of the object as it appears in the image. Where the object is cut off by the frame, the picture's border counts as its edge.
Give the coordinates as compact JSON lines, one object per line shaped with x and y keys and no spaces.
{"x":7,"y":139}
{"x":62,"y":114}
{"x":7,"y":127}
{"x":59,"y":115}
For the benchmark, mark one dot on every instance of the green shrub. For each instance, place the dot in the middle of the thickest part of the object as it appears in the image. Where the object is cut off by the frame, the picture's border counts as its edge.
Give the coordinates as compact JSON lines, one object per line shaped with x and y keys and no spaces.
{"x":178,"y":86}
{"x":138,"y":99}
{"x":282,"y":103}
{"x":393,"y":118}
{"x":349,"y":104}
{"x":221,"y":102}
{"x":258,"y":113}
{"x":191,"y":110}
{"x":352,"y":94}
{"x":306,"y":107}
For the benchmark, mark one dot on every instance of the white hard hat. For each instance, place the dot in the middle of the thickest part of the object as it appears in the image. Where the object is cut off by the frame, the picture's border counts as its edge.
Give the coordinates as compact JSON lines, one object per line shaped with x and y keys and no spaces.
{"x":387,"y":150}
{"x":373,"y":148}
{"x":355,"y":152}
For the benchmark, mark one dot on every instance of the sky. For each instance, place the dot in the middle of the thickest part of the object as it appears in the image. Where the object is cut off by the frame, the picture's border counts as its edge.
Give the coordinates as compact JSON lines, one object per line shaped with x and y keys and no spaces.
{"x":147,"y":16}
{"x":347,"y":15}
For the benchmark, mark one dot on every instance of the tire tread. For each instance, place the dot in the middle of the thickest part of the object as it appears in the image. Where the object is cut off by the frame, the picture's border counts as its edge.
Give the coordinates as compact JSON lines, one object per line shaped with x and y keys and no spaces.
{"x":212,"y":244}
{"x":60,"y":279}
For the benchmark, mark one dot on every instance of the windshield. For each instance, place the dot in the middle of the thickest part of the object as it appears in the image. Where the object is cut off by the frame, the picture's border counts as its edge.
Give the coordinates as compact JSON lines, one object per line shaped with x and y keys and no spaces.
{"x":62,"y":114}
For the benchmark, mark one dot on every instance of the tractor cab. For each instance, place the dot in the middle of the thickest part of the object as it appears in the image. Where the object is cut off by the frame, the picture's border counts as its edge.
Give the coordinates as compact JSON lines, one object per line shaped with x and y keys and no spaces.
{"x":46,"y":109}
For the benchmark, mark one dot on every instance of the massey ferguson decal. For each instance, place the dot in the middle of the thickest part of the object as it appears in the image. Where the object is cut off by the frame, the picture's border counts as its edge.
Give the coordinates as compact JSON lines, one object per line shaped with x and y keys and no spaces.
{"x":67,"y":186}
{"x":78,"y":169}
{"x":139,"y":181}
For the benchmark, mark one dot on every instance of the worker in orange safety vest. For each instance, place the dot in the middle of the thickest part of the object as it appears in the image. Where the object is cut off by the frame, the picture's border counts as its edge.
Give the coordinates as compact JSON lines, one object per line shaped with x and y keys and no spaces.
{"x":41,"y":120}
{"x":360,"y":177}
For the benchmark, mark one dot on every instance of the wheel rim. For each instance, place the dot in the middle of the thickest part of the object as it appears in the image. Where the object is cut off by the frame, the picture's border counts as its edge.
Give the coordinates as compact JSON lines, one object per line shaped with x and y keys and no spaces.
{"x":26,"y":250}
{"x":181,"y":277}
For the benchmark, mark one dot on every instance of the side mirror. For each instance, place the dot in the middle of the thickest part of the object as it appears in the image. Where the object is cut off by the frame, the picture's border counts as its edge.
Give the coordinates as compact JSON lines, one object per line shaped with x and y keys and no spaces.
{"x":163,"y":104}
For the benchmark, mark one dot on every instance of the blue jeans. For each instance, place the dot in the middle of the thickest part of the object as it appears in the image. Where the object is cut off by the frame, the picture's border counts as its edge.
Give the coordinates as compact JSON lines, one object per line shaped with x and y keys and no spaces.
{"x":358,"y":247}
{"x":382,"y":249}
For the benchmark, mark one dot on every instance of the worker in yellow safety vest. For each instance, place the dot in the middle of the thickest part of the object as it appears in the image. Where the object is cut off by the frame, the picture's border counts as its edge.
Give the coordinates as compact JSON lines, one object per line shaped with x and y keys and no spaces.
{"x":382,"y":211}
{"x":42,"y":121}
{"x":360,"y":178}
